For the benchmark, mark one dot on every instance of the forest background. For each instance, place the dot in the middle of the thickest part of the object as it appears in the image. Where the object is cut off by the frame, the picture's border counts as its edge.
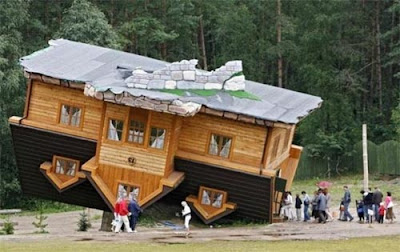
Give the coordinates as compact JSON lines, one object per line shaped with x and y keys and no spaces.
{"x":345,"y":51}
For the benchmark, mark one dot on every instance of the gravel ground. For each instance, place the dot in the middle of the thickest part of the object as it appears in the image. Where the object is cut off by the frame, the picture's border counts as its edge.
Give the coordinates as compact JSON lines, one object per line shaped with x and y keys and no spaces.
{"x":63,"y":226}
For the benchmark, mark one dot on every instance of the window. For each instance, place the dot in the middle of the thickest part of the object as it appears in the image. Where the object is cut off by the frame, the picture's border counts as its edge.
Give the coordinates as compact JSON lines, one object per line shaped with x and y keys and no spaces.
{"x":157,"y":137}
{"x":220,"y":145}
{"x":115,"y":129}
{"x":136,"y":132}
{"x":212,"y":197}
{"x":132,"y":191}
{"x":70,"y":115}
{"x":65,"y":166}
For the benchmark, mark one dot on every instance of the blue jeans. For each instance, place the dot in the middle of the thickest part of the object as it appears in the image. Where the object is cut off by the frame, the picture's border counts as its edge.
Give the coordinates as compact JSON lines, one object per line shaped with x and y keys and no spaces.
{"x":132,"y":221}
{"x":366,"y":216}
{"x":346,"y":212}
{"x":376,"y":211}
{"x":306,"y":215}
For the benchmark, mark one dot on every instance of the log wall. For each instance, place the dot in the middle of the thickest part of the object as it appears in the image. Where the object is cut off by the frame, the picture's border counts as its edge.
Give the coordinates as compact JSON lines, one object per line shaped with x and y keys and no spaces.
{"x":248,"y":140}
{"x":44,"y":109}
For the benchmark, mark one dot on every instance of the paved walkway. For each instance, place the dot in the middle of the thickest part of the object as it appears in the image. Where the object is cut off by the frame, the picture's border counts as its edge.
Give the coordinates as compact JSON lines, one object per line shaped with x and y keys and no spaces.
{"x":63,"y":226}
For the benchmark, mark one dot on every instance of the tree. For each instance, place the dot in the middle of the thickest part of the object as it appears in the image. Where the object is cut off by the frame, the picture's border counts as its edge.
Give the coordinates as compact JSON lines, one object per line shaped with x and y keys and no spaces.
{"x":396,"y":121}
{"x":13,"y":17}
{"x":84,"y":22}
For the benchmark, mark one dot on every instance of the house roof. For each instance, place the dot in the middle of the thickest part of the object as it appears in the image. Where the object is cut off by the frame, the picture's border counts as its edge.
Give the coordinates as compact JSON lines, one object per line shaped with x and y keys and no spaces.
{"x":97,"y":66}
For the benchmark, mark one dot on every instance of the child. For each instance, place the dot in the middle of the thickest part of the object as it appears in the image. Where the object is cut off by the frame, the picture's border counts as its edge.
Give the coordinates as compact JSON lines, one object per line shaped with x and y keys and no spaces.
{"x":381,"y":212}
{"x":341,"y":209}
{"x":360,"y":210}
{"x":298,"y":207}
{"x":186,"y":216}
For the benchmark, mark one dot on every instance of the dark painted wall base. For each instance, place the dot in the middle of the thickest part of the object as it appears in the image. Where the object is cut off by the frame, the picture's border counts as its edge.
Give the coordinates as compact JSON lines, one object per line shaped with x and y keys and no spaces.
{"x":251,"y":193}
{"x":33,"y":147}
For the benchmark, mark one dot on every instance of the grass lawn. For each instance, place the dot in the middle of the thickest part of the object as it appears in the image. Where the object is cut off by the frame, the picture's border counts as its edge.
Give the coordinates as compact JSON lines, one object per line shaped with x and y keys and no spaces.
{"x":359,"y":244}
{"x":355,"y":183}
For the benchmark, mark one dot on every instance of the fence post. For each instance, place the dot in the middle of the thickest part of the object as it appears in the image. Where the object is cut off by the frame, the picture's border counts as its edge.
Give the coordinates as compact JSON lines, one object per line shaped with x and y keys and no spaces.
{"x":365,"y":156}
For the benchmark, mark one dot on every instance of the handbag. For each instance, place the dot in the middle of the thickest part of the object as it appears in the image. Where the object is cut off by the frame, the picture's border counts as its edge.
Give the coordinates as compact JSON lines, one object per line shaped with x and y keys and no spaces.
{"x":390,"y":205}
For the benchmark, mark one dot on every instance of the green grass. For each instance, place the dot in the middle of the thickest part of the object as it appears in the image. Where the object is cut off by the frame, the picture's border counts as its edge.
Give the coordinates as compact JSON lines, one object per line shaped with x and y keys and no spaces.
{"x":388,"y":243}
{"x":201,"y":92}
{"x":244,"y":95}
{"x":355,"y":183}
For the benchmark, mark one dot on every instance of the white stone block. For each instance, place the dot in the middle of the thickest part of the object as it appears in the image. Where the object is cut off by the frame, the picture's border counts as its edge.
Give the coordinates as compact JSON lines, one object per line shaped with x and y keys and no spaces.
{"x":142,"y":86}
{"x":174,"y":66}
{"x":139,"y":71}
{"x":170,"y":84}
{"x":189,"y":75}
{"x":130,"y":85}
{"x":193,"y":62}
{"x":177,"y":103}
{"x":184,"y":67}
{"x":176,"y":75}
{"x":211,"y":85}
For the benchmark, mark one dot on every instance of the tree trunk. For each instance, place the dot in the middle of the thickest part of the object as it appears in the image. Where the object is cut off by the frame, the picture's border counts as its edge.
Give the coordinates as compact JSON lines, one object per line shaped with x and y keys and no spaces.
{"x":163,"y":45}
{"x":378,"y":54}
{"x":106,"y":221}
{"x":279,"y":38}
{"x":202,"y":44}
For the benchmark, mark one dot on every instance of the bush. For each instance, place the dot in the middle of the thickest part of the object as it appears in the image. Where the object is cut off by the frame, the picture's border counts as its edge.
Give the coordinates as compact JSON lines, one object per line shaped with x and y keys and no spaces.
{"x":8,"y":227}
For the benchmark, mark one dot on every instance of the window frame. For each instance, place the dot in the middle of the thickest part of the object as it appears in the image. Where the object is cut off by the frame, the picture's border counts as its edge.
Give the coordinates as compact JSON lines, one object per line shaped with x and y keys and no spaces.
{"x":219,"y":151}
{"x":139,"y":117}
{"x":122,"y":139}
{"x":72,"y":105}
{"x":149,"y":138}
{"x":213,"y":191}
{"x":54,"y":168}
{"x":129,"y":185}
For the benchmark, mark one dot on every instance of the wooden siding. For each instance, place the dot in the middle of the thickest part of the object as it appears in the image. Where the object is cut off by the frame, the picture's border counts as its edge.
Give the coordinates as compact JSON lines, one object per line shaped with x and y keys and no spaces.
{"x":278,"y":146}
{"x":148,"y":159}
{"x":35,"y":146}
{"x":44,"y":108}
{"x":248,"y":140}
{"x":250,"y":192}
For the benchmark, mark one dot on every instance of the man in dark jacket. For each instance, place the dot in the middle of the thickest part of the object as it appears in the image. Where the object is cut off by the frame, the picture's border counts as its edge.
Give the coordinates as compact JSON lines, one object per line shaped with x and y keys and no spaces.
{"x":134,"y":209}
{"x":368,"y":205}
{"x":376,"y":200}
{"x":346,"y":203}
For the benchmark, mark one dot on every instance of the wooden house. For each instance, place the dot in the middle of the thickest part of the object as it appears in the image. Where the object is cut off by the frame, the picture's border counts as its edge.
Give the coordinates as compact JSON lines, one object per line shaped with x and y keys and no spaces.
{"x":99,"y":122}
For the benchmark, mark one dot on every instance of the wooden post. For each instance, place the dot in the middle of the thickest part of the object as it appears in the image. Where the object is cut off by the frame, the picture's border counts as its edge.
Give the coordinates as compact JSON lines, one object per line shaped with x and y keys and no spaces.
{"x":365,"y":156}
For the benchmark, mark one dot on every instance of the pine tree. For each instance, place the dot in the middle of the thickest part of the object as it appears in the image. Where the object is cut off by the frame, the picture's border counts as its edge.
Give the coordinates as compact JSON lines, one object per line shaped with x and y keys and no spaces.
{"x":84,"y":222}
{"x":40,"y":222}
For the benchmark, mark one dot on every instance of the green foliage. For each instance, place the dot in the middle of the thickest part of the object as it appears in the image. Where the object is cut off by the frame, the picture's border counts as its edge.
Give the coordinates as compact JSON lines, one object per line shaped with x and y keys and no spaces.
{"x":203,"y":92}
{"x":40,"y":223}
{"x":8,"y":226}
{"x":84,"y":222}
{"x":396,"y":120}
{"x":84,"y":22}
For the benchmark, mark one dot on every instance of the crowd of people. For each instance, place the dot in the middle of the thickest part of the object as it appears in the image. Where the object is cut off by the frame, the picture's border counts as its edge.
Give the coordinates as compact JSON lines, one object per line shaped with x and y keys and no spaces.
{"x":372,"y":206}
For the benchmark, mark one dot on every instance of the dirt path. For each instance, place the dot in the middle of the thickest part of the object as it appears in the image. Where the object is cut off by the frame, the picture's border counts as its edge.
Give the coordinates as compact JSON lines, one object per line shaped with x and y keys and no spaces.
{"x":62,"y":226}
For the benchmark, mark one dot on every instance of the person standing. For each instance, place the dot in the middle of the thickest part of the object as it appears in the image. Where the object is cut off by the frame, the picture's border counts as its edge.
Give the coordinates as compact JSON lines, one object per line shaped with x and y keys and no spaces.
{"x":306,"y":204}
{"x":368,"y":205}
{"x":328,"y":204}
{"x":346,"y":203}
{"x":321,"y":206}
{"x":135,"y":210}
{"x":389,"y":207}
{"x":377,"y":197}
{"x":186,"y":214}
{"x":381,"y":212}
{"x":298,"y":207}
{"x":122,"y":210}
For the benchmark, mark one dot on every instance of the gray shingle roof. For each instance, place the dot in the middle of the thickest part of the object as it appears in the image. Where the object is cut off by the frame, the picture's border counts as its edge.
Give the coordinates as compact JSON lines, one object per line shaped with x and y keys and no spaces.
{"x":75,"y":61}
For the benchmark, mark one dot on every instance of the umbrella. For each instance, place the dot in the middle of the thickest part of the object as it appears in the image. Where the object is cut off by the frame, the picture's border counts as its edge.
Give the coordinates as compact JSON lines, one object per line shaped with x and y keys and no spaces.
{"x":324,"y":184}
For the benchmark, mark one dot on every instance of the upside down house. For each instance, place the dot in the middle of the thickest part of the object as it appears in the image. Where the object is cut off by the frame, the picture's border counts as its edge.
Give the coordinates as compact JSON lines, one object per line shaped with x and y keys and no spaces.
{"x":99,"y":121}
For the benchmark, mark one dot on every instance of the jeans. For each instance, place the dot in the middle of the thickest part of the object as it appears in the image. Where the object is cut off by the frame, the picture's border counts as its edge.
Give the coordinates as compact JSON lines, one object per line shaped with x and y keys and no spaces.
{"x":132,"y":221}
{"x":346,"y":212}
{"x":366,"y":215}
{"x":306,"y":215}
{"x":376,"y":211}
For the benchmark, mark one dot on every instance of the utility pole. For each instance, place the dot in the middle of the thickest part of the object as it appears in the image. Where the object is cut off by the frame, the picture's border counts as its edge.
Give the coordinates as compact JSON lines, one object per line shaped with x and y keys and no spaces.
{"x":365,"y":155}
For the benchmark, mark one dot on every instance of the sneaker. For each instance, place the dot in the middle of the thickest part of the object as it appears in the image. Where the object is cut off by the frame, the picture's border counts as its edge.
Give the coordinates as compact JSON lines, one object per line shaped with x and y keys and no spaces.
{"x":135,"y":231}
{"x":351,"y":219}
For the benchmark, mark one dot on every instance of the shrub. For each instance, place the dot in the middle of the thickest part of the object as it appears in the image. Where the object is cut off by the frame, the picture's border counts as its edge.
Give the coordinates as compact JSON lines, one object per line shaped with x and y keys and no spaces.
{"x":84,"y":222}
{"x":8,"y":227}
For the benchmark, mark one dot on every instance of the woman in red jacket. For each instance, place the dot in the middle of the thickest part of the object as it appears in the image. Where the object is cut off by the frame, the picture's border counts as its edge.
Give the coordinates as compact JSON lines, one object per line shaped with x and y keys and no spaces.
{"x":121,"y":208}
